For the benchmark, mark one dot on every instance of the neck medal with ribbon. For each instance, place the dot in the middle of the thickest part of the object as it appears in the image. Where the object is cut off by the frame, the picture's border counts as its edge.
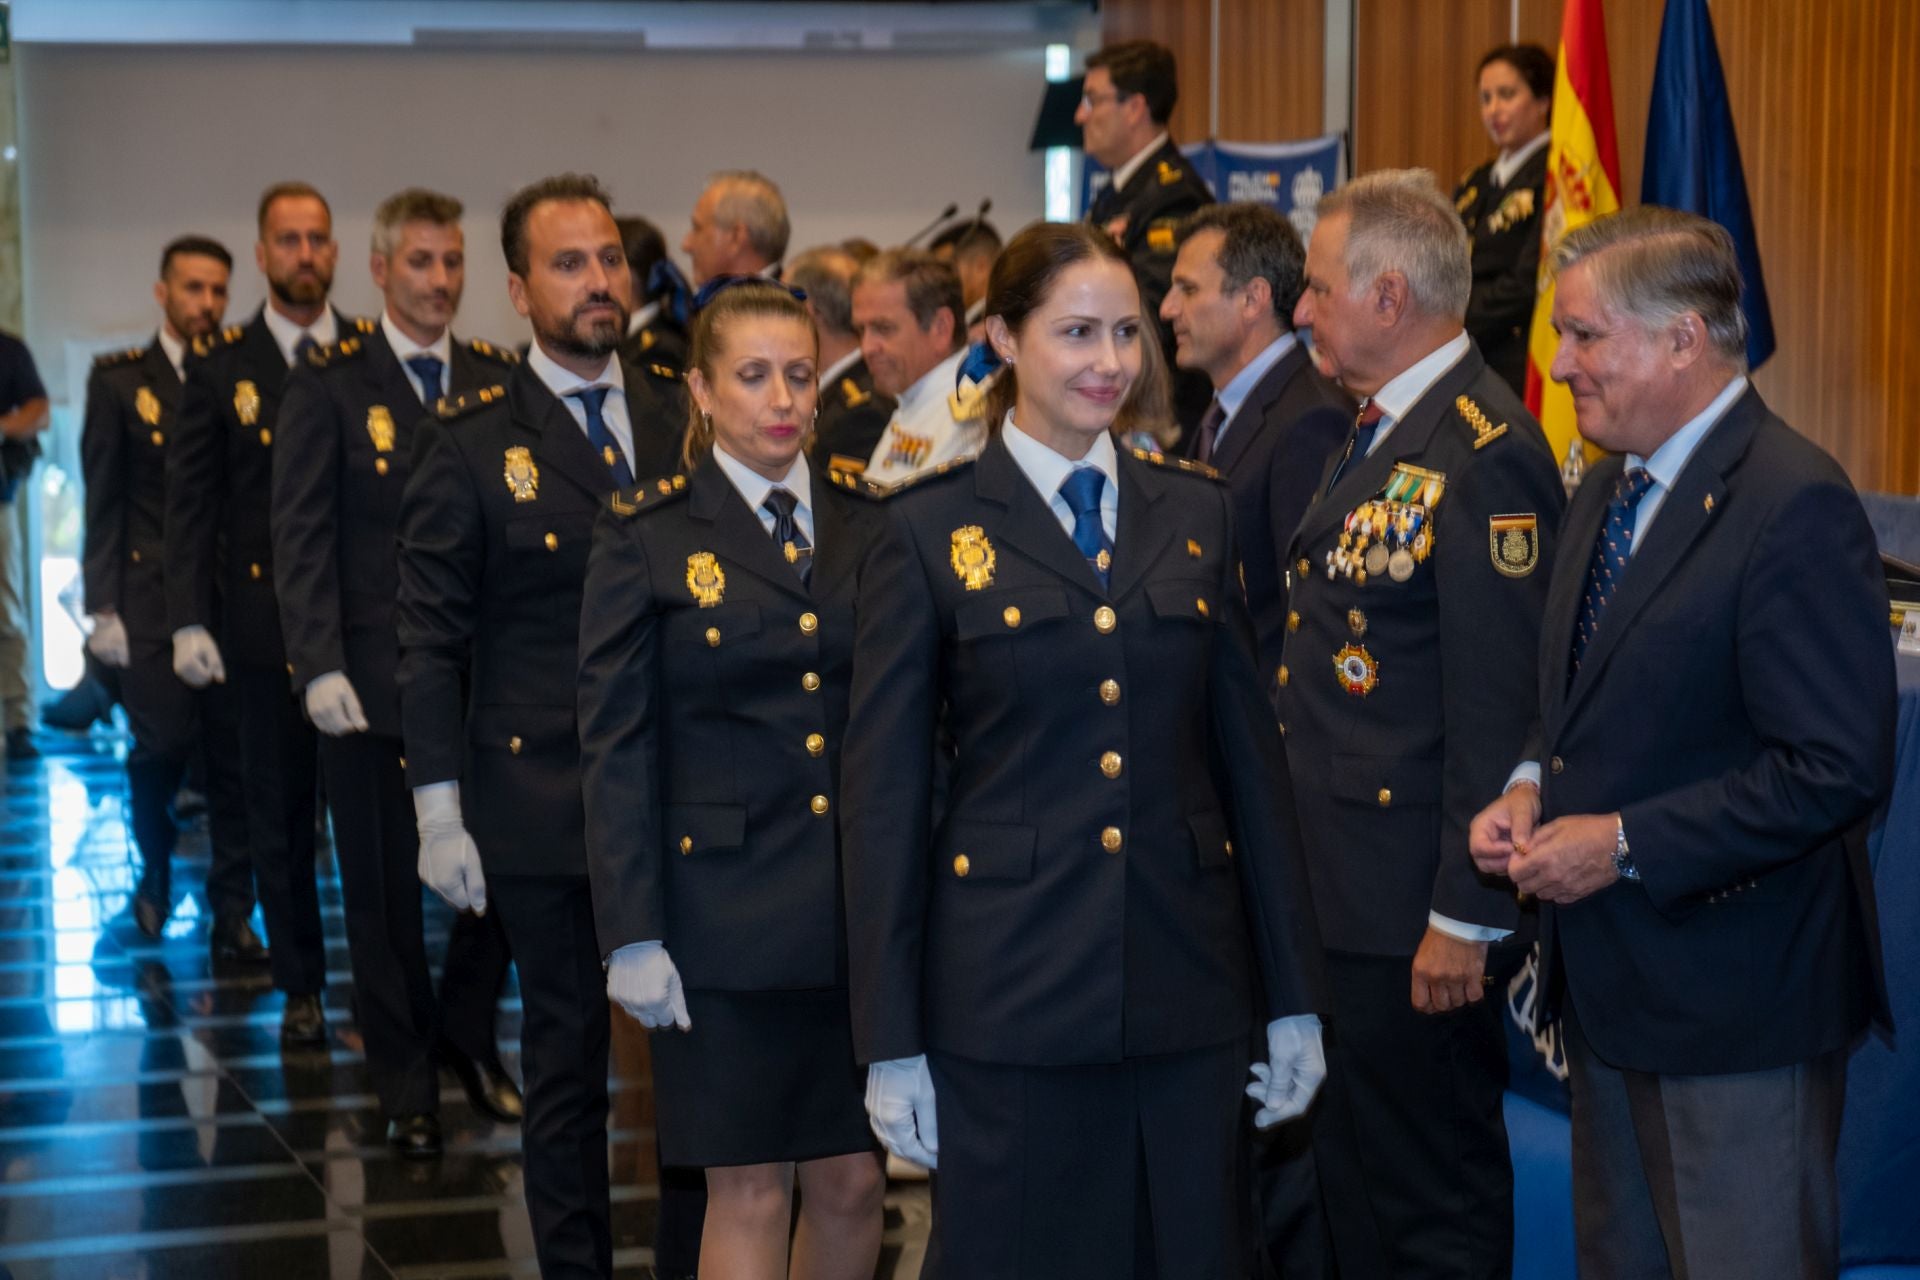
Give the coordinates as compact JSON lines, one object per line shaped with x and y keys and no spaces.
{"x":1391,"y":532}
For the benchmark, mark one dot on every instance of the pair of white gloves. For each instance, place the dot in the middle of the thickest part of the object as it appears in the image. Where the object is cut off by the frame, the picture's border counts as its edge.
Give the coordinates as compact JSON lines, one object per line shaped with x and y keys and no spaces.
{"x":900,"y":1092}
{"x":332,"y":704}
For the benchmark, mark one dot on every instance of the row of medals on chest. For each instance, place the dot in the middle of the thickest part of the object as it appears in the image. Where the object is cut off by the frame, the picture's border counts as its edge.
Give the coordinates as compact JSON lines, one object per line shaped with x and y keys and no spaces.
{"x":1390,"y":533}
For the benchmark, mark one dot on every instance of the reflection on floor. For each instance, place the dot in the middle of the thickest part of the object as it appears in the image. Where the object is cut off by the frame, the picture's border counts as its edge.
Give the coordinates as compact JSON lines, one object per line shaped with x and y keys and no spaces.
{"x":151,"y":1126}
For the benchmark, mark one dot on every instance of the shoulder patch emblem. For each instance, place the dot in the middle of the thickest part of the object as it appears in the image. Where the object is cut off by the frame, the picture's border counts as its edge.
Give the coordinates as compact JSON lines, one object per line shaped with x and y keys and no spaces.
{"x":1484,"y":432}
{"x":1513,"y":541}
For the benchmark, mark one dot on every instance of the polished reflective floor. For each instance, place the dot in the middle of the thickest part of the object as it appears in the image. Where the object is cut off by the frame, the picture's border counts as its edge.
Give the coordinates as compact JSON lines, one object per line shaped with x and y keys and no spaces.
{"x":151,"y":1126}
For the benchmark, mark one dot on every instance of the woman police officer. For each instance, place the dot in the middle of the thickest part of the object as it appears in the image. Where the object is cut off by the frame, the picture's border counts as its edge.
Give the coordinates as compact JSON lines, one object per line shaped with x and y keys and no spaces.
{"x":715,"y":641}
{"x":1053,"y":976}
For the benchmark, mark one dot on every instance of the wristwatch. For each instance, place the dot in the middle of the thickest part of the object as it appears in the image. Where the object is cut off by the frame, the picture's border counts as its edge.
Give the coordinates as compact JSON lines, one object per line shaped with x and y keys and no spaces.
{"x":1622,"y":858}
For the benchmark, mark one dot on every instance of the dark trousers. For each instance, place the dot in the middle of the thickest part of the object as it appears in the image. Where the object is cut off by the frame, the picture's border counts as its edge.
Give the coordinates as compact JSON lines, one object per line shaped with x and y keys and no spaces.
{"x":277,"y":760}
{"x":1409,"y":1134}
{"x":1128,"y":1171}
{"x":564,"y":1031}
{"x":1723,"y":1177}
{"x":169,"y":723}
{"x":1289,"y":1236}
{"x":377,"y":848}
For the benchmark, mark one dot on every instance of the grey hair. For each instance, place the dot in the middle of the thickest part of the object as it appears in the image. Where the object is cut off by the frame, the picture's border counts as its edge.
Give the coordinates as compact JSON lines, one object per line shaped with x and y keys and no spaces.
{"x":826,"y":276}
{"x":751,"y":200}
{"x":415,"y":204}
{"x":1657,"y":264}
{"x":1400,"y":221}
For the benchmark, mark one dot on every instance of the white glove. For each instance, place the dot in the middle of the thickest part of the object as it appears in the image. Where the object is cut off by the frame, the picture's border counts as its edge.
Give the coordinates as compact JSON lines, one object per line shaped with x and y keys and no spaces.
{"x":334,"y":707}
{"x":900,"y":1109}
{"x":449,"y":862}
{"x":1296,"y":1064}
{"x":642,"y":980}
{"x":196,"y":658}
{"x":108,"y":640}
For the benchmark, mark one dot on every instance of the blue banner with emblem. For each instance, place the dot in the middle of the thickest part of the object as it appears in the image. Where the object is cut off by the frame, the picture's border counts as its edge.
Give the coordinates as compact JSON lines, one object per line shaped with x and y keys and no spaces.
{"x":1289,"y":176}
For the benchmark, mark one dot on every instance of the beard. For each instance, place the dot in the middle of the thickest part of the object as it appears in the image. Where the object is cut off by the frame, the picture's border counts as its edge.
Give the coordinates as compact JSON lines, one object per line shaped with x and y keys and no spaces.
{"x":194,"y":324}
{"x":586,"y":339}
{"x":308,"y":290}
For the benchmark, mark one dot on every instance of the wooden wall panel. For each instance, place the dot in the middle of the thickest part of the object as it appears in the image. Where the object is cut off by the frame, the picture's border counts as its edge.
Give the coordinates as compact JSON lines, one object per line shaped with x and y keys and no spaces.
{"x":1272,"y":62}
{"x":1414,"y":94}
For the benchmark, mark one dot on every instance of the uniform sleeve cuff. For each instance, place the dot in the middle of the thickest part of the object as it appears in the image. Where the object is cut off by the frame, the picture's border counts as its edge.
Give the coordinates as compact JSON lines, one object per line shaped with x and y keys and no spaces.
{"x":1462,"y":931}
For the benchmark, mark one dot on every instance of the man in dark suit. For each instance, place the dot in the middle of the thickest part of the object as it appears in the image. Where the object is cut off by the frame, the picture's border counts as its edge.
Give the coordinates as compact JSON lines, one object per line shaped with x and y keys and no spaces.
{"x":1128,"y":98}
{"x":1273,"y":420}
{"x":494,"y":531}
{"x":219,"y":571}
{"x":1408,"y":666}
{"x":133,"y":401}
{"x":852,"y":414}
{"x":1716,"y":705}
{"x":340,"y":465}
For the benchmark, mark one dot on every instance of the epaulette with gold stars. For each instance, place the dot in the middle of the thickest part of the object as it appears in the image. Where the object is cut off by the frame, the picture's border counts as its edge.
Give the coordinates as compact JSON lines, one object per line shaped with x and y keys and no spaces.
{"x":334,"y":352}
{"x":852,"y":395}
{"x":365,"y":324}
{"x":207,"y":343}
{"x":1484,"y":430}
{"x":114,"y":359}
{"x":854,"y":482}
{"x":634,"y":499}
{"x":664,"y":372}
{"x":488,"y":351}
{"x":1154,"y":457}
{"x":450,"y":407}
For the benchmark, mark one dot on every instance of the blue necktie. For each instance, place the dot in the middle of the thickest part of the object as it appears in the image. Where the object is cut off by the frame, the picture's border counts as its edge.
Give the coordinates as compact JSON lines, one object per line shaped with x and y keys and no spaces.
{"x":787,"y":533}
{"x":304,"y":345}
{"x":1609,"y":564}
{"x":1082,"y":490}
{"x":1360,"y":443}
{"x":426,"y":371}
{"x":593,"y":398}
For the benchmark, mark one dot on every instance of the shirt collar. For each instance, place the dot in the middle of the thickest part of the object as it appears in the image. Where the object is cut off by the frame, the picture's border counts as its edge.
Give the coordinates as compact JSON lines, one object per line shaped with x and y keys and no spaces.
{"x":287,"y":334}
{"x":754,"y":487}
{"x":1670,"y":459}
{"x":1124,"y":174}
{"x":176,"y":352}
{"x":1404,"y":390}
{"x":1047,"y":469}
{"x":838,"y":367}
{"x":1510,"y":161}
{"x":643,"y":317}
{"x":562,"y":381}
{"x":939,"y":381}
{"x":403,"y":346}
{"x":1241,"y":384}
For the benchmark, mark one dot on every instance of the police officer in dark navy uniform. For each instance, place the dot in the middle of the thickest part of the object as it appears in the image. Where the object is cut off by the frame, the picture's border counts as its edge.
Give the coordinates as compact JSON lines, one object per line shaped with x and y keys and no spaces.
{"x":1129,"y":95}
{"x":219,"y":553}
{"x":656,"y":331}
{"x":1502,"y":202}
{"x":346,"y":438}
{"x":715,"y":645}
{"x":133,"y":402}
{"x":1054,"y":977}
{"x":494,"y":530}
{"x":1419,"y":578}
{"x":852,"y":414}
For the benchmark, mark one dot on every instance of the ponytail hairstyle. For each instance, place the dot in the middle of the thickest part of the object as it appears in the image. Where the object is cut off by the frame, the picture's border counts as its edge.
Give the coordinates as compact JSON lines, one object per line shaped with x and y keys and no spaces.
{"x":1023,"y":277}
{"x":738,"y":298}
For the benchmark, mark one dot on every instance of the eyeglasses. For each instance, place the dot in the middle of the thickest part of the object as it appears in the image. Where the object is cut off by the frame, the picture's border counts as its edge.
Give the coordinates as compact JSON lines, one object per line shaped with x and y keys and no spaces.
{"x":1089,"y":101}
{"x":720,"y":284}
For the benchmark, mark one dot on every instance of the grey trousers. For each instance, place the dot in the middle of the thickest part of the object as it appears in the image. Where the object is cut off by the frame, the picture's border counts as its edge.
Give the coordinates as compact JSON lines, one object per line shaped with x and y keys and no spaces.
{"x":1705,"y":1177}
{"x":16,"y":689}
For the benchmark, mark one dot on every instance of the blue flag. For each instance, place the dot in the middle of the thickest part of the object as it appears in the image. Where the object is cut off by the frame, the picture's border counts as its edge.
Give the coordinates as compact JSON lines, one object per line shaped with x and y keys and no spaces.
{"x":1693,"y":159}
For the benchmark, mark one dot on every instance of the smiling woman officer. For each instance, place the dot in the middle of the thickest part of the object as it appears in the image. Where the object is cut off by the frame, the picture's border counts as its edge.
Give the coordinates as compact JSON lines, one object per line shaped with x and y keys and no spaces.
{"x":715,"y":639}
{"x":1053,"y":977}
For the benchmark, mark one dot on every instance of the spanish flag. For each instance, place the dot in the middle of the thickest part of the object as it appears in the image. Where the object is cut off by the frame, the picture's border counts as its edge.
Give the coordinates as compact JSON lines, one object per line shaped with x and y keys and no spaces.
{"x":1583,"y":183}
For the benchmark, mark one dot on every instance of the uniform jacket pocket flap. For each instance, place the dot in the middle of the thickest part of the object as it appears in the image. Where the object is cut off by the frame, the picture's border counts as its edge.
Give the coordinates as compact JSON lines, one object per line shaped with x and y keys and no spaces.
{"x":1192,"y":599}
{"x":704,"y":828}
{"x":1212,"y":843}
{"x":522,"y":727}
{"x":988,"y":851}
{"x":1008,"y":612}
{"x":1384,"y":782}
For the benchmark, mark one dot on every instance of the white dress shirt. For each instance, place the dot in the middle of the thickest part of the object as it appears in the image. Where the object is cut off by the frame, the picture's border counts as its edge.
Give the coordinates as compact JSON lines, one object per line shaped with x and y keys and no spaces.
{"x":613,"y":412}
{"x":1124,"y":174}
{"x":1047,"y":470}
{"x":176,"y":350}
{"x":1510,"y":161}
{"x":404,"y":347}
{"x":923,"y":432}
{"x":753,"y":489}
{"x":831,"y":374}
{"x":288,"y":334}
{"x":1241,"y":384}
{"x":1404,"y":390}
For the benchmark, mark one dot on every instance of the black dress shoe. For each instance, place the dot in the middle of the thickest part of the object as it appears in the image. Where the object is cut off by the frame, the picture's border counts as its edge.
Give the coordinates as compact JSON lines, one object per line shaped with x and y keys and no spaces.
{"x":415,"y":1137}
{"x":149,"y":915}
{"x":20,"y":745}
{"x":489,"y":1088}
{"x":304,"y":1022}
{"x":233,"y":941}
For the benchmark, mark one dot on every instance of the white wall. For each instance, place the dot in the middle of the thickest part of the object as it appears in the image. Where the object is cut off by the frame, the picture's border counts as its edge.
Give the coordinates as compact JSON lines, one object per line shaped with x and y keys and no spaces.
{"x":121,"y":148}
